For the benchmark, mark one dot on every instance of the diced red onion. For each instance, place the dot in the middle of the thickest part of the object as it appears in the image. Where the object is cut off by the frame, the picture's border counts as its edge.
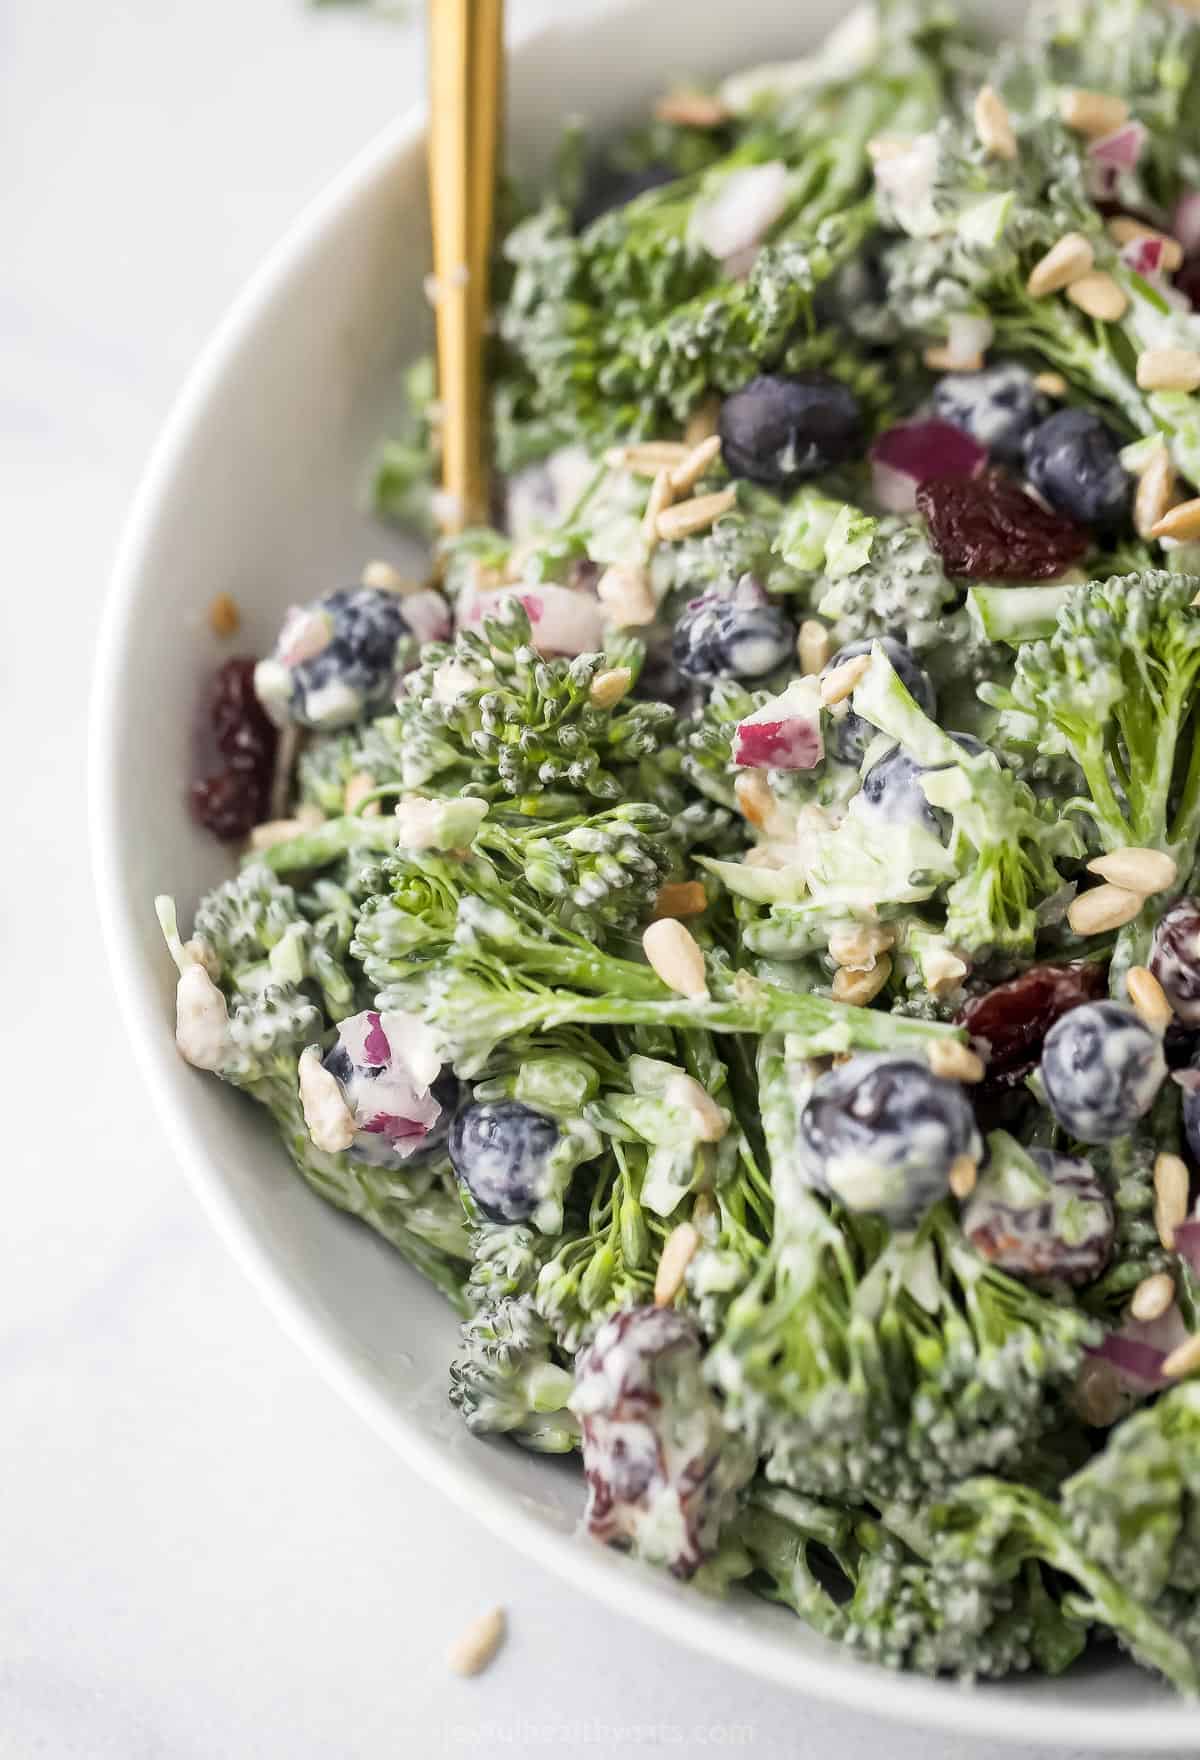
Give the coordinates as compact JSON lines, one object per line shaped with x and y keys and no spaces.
{"x":904,"y":457}
{"x":1137,"y":1363}
{"x":743,"y":210}
{"x":1121,"y":149}
{"x":1187,"y":1242}
{"x":769,"y":741}
{"x":1143,"y":255}
{"x":1185,"y":222}
{"x":427,"y":615}
{"x":1137,"y":1352}
{"x":562,"y":621}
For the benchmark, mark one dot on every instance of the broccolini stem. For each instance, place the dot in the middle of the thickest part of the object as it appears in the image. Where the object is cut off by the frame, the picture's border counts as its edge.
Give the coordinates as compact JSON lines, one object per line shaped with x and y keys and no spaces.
{"x":325,"y":843}
{"x":759,"y":1008}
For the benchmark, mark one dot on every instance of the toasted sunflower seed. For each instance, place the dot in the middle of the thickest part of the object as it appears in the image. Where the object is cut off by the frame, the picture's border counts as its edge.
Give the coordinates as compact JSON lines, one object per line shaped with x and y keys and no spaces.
{"x":964,"y":1171}
{"x":1104,"y":907}
{"x":680,"y":898}
{"x":1137,"y":870}
{"x":1063,"y":263}
{"x":475,"y":1647}
{"x":1183,"y":1360}
{"x":859,"y":988}
{"x":993,"y":125}
{"x":1170,"y":1196}
{"x":1153,"y":1296}
{"x":696,"y":515}
{"x":678,"y":1251}
{"x":676,"y":956}
{"x":954,"y":1061}
{"x":1092,"y":113}
{"x":1099,"y":296}
{"x":1149,"y":998}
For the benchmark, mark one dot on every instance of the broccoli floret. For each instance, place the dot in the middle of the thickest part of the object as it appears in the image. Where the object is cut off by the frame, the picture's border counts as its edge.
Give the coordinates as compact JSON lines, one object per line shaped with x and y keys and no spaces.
{"x":1114,"y":689}
{"x":900,"y":589}
{"x":865,"y":1368}
{"x":1135,"y":1508}
{"x":506,"y":1377}
{"x":621,"y":329}
{"x":874,"y":1587}
{"x":517,"y":725}
{"x":274,"y":963}
{"x":1003,"y":845}
{"x":989,"y":1531}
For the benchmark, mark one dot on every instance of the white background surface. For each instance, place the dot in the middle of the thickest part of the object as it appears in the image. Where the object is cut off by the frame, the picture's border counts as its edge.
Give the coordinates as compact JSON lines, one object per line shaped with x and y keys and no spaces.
{"x":201,"y":1552}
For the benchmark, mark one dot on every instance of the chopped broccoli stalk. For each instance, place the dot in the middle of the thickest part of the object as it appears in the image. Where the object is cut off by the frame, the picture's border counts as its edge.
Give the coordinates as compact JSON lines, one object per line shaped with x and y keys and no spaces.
{"x":1017,"y":614}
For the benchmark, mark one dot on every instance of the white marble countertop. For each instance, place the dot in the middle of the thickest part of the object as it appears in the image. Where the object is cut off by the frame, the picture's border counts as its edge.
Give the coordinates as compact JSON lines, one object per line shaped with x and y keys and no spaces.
{"x":204,"y":1553}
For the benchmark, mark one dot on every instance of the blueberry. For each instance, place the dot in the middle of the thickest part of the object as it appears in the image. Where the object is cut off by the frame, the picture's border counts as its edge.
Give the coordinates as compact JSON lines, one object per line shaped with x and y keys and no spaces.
{"x":780,"y":429}
{"x":881,"y":1133}
{"x":336,"y":659}
{"x":1071,"y":460}
{"x":892,"y":786}
{"x":997,"y":407}
{"x":849,"y":738}
{"x":721,"y":637}
{"x":1101,"y":1069}
{"x":499,"y":1150}
{"x":606,"y":188}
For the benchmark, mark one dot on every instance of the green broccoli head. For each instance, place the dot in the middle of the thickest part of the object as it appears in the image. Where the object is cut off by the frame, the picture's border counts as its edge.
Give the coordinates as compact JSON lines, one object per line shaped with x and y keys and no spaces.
{"x":1135,"y":1507}
{"x":1115,"y":688}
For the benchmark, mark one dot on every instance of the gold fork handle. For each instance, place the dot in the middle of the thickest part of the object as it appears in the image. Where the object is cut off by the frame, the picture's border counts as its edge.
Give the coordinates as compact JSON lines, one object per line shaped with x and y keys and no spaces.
{"x":466,"y":40}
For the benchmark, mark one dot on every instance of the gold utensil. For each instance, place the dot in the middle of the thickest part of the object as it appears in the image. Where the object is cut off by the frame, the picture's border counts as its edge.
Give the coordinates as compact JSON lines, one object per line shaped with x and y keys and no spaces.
{"x":466,"y":40}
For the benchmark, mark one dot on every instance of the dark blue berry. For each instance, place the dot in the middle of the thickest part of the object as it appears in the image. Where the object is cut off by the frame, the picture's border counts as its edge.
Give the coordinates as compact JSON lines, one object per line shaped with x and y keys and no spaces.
{"x":336,"y":659}
{"x":780,"y":429}
{"x":722,"y":637}
{"x":1101,"y":1069}
{"x":606,"y":188}
{"x":997,"y":407}
{"x":500,"y":1150}
{"x":892,"y":786}
{"x":1071,"y":460}
{"x":849,"y":738}
{"x":881,"y":1133}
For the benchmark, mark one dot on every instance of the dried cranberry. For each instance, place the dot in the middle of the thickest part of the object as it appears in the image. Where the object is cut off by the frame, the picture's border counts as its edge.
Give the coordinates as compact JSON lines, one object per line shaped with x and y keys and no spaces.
{"x":1175,"y":958}
{"x":988,"y":528}
{"x":1015,"y":1017}
{"x":229,"y":804}
{"x":229,"y":799}
{"x":240,"y":728}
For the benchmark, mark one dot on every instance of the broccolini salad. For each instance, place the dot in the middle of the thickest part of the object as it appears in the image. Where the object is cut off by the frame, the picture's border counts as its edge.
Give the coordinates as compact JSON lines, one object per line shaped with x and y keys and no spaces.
{"x":736,"y":927}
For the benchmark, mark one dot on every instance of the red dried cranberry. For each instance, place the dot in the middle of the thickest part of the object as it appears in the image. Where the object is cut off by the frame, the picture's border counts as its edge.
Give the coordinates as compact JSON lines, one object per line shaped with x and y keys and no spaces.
{"x":988,"y":528}
{"x":229,"y":799}
{"x":241,"y":730}
{"x":229,"y":804}
{"x":1015,"y":1017}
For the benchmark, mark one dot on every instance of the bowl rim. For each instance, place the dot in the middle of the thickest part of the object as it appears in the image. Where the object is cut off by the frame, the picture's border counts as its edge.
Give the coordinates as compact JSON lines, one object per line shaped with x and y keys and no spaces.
{"x":1001,"y":1713}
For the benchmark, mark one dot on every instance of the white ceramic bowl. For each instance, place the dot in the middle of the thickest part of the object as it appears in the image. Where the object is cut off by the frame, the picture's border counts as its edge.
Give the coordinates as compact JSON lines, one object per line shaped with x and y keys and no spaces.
{"x":256,"y":488}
